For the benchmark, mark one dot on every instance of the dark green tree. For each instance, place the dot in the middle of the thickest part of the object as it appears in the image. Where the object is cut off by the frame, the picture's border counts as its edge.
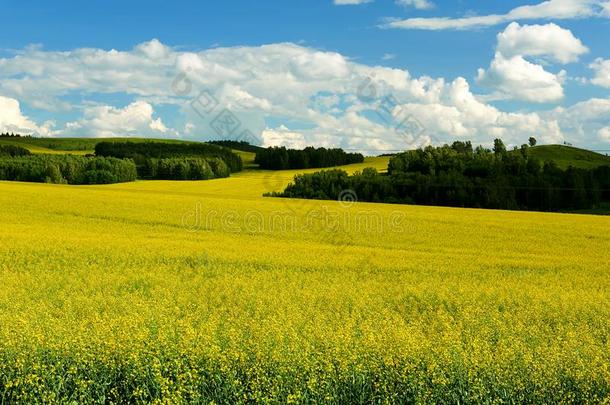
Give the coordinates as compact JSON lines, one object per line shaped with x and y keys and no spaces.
{"x":499,"y":147}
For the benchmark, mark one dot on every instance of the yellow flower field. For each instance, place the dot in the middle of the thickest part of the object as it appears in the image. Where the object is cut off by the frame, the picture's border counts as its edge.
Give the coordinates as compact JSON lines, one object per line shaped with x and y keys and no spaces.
{"x":207,"y":292}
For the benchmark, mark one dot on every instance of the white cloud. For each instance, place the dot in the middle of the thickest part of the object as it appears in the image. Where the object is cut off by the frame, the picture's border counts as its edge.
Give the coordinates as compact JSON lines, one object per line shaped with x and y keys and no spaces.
{"x":34,"y":74}
{"x":461,"y":114}
{"x":317,"y":65}
{"x":280,"y":92}
{"x":282,"y":136}
{"x":511,"y":76}
{"x":582,"y":121}
{"x":153,"y":49}
{"x":350,"y":2}
{"x":556,"y":9}
{"x":604,"y":134}
{"x":601,"y":68}
{"x":540,"y":40}
{"x":516,"y":78}
{"x":13,"y":120}
{"x":551,"y":9}
{"x":418,"y":4}
{"x":593,"y":110}
{"x":136,"y":119}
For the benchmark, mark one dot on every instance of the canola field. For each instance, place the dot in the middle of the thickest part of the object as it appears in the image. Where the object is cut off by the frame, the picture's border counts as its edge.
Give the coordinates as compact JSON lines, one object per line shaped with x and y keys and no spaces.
{"x":201,"y":292}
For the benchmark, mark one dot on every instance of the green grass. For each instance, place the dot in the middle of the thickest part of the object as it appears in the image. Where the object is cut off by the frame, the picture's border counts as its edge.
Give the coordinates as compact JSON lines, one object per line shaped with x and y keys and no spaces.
{"x":247,"y":158}
{"x":566,"y":156}
{"x":83,"y":146}
{"x":72,"y":145}
{"x":40,"y":148}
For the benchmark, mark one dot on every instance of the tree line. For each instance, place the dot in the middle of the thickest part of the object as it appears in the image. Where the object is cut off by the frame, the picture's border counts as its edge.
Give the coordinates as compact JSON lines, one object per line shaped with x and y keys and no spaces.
{"x":17,"y":165}
{"x":12,"y":135}
{"x":67,"y":169}
{"x":183,"y":169}
{"x":238,"y":145}
{"x":144,"y":153}
{"x":13,"y":151}
{"x":280,"y":158}
{"x":119,"y":162}
{"x":458,"y":175}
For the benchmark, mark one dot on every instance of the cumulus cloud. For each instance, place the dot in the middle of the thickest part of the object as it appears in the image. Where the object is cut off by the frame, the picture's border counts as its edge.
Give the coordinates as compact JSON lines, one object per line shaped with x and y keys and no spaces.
{"x":280,"y":93}
{"x":604,"y":134}
{"x":548,"y":40}
{"x":282,"y":136}
{"x":463,"y":115}
{"x":582,"y":121}
{"x":153,"y":49}
{"x":136,"y":119}
{"x":516,"y":78}
{"x":512,"y":76}
{"x":601,"y":68}
{"x":13,"y":120}
{"x":551,"y":9}
{"x":593,"y":110}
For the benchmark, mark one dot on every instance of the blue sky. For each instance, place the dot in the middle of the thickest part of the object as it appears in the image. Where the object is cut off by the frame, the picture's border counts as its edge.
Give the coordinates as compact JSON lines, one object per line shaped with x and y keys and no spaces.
{"x":289,"y":71}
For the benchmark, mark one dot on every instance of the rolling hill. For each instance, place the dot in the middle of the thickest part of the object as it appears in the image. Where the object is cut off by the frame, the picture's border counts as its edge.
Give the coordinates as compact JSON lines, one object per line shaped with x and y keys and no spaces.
{"x":72,"y":145}
{"x":566,"y":156}
{"x":79,"y":146}
{"x":210,"y":279}
{"x":179,"y":291}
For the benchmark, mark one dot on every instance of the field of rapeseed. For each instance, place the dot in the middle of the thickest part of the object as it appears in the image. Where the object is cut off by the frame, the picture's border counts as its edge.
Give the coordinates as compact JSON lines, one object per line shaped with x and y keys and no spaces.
{"x":205,"y":291}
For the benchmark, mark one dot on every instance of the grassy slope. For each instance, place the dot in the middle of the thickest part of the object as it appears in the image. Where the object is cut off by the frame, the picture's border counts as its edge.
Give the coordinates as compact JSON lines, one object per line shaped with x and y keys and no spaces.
{"x":38,"y":147}
{"x":72,"y":145}
{"x":569,"y":156}
{"x":563,"y":155}
{"x":247,"y":158}
{"x":249,"y":184}
{"x":87,"y":145}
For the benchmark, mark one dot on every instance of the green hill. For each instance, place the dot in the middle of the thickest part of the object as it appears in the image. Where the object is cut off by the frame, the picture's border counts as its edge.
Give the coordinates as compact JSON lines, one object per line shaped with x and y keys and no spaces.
{"x":51,"y":146}
{"x":566,"y":156}
{"x":71,"y":145}
{"x":563,"y":155}
{"x":238,"y":145}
